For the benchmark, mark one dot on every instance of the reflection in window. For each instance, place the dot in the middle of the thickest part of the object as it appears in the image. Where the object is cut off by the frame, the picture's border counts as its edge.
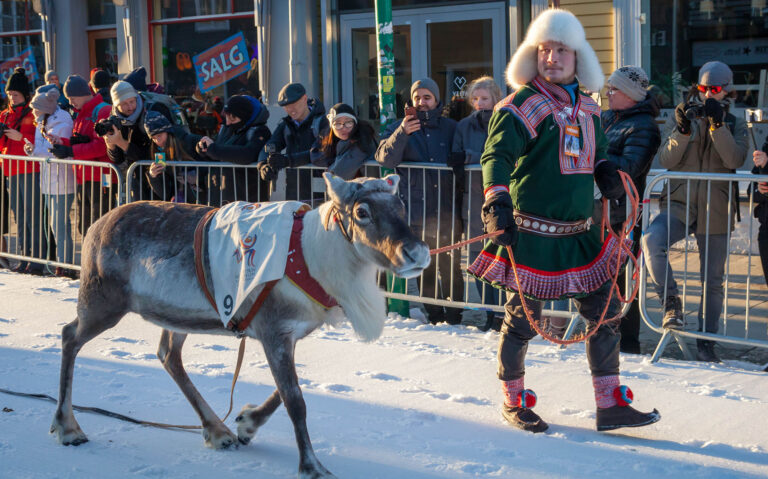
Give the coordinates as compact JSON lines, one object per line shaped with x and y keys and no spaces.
{"x":101,"y":12}
{"x":182,"y":41}
{"x":18,"y":15}
{"x":682,"y":40}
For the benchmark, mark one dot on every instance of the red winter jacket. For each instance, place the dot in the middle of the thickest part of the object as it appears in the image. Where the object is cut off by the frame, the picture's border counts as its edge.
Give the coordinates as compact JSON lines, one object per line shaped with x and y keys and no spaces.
{"x":12,"y":117}
{"x":94,"y":150}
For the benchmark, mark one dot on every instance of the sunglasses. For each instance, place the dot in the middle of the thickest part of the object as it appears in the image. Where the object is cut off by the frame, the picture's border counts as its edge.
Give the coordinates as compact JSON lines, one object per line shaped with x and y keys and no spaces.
{"x":714,"y":89}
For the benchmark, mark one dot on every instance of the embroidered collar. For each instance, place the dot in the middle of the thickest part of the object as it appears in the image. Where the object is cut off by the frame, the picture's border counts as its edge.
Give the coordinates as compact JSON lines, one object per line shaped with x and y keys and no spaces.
{"x":559,"y":97}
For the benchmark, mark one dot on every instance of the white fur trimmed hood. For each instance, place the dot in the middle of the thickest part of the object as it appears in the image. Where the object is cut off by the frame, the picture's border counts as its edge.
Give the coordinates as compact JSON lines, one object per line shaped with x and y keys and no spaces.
{"x":555,"y":25}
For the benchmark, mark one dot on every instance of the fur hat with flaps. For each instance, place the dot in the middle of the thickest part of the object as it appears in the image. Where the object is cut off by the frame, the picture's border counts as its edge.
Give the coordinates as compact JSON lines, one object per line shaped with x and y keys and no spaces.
{"x":555,"y":25}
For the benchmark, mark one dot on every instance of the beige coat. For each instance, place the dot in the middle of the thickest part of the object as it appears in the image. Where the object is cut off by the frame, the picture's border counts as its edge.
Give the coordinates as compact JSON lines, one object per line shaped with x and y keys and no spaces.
{"x":704,"y":151}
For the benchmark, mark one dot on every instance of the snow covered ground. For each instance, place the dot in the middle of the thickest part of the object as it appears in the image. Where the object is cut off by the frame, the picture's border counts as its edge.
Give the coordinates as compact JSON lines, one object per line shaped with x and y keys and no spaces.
{"x":421,"y":402}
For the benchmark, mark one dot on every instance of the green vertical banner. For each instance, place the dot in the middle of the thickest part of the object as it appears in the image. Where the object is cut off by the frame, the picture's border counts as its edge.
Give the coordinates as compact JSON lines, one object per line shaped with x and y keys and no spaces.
{"x":385,"y":45}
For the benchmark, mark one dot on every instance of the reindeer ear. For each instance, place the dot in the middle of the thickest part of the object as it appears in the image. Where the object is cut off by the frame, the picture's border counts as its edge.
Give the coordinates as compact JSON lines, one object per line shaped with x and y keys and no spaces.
{"x":336,"y":188}
{"x":392,"y":181}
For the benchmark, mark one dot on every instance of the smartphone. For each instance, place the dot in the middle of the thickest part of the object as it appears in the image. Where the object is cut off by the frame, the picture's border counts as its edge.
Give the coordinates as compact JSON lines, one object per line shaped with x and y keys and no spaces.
{"x":160,"y":158}
{"x":410,"y":111}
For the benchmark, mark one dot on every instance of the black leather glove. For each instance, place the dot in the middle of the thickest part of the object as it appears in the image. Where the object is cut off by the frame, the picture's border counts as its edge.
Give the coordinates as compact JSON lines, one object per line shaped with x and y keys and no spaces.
{"x":608,"y":180}
{"x":77,"y":139}
{"x":266,"y":172}
{"x":61,"y":151}
{"x":714,"y":111}
{"x":682,"y":121}
{"x":278,"y":161}
{"x":497,"y":214}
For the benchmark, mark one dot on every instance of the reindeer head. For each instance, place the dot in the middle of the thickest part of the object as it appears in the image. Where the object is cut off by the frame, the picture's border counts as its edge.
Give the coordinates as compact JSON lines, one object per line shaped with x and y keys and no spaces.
{"x":372,"y":217}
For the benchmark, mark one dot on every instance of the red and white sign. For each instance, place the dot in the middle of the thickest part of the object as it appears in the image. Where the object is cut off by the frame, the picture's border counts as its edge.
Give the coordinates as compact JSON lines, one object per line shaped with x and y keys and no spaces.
{"x":24,"y":59}
{"x":222,"y":62}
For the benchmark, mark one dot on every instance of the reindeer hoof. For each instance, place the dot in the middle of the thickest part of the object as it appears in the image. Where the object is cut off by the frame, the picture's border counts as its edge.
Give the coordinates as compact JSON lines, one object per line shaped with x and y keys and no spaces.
{"x":73,"y":436}
{"x":69,"y":437}
{"x":219,"y":437}
{"x":316,"y":473}
{"x":248,"y":422}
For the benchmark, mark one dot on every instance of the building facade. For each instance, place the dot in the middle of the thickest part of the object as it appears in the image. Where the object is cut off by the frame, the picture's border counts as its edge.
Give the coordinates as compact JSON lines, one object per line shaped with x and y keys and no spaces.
{"x":221,"y":47}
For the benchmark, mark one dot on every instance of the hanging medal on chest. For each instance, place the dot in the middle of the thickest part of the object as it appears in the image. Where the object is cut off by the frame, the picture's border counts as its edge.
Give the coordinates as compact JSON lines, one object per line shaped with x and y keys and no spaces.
{"x":571,"y":141}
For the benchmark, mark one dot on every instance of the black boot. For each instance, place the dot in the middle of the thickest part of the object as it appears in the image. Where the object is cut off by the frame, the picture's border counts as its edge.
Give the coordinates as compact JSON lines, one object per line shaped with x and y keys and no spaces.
{"x":523,"y":418}
{"x":706,"y":351}
{"x":614,"y":417}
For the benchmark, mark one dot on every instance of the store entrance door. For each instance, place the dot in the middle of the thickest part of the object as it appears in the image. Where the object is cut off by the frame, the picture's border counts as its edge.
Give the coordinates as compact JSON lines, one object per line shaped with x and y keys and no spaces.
{"x":453,"y":45}
{"x":102,"y":50}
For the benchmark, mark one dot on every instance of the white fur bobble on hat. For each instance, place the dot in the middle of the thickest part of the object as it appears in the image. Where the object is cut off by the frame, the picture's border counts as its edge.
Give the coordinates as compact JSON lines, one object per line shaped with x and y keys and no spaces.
{"x":555,"y":25}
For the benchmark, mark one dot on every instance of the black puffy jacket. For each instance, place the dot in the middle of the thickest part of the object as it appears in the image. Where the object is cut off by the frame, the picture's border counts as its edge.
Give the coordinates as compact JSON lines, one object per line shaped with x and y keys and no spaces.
{"x":240,"y":144}
{"x":633,"y":139}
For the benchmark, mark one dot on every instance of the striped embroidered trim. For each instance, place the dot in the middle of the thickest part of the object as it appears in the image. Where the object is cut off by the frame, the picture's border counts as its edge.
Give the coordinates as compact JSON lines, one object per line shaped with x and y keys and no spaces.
{"x":523,"y":119}
{"x":495,"y":190}
{"x":536,"y":108}
{"x":547,"y":285}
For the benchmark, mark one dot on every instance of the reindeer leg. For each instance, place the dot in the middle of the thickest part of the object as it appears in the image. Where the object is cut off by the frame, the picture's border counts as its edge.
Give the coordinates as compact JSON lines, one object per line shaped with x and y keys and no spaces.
{"x":280,"y":356}
{"x":252,"y":417}
{"x":215,"y":433}
{"x":73,"y":337}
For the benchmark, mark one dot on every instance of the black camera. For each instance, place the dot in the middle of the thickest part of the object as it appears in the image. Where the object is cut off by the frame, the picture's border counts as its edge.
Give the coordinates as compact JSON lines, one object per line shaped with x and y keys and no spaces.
{"x":104,"y":127}
{"x":694,"y":111}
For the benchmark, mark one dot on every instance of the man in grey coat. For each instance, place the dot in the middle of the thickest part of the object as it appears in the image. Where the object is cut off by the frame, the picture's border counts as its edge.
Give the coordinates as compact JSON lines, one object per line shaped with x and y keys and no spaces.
{"x":707,"y":139}
{"x":427,"y":137}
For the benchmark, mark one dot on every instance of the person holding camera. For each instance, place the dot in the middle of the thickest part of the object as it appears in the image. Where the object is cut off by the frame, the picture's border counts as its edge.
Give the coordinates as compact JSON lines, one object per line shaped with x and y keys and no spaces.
{"x":239,"y":141}
{"x":348,"y":144}
{"x":92,"y":198}
{"x":707,"y":139}
{"x":292,"y":141}
{"x":424,"y":136}
{"x":22,"y":178}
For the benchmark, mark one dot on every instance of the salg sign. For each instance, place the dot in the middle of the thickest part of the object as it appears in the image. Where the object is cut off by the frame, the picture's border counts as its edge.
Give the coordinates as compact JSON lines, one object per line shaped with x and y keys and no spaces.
{"x":221,"y":63}
{"x":24,"y":59}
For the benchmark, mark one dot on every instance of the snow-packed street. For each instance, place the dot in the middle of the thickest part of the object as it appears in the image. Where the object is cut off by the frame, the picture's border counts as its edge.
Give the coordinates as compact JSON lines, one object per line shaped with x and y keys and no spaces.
{"x":421,"y":402}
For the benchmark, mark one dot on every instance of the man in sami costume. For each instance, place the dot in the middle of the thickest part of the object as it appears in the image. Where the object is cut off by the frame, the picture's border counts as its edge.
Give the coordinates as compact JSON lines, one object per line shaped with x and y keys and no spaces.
{"x":545,"y":148}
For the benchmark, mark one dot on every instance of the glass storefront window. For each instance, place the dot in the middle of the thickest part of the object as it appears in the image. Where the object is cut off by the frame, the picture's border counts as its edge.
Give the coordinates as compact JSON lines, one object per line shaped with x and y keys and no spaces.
{"x":14,"y":46}
{"x":366,"y":90}
{"x":453,"y":65}
{"x":686,"y":34}
{"x":101,"y":12}
{"x":360,"y":5}
{"x":18,"y":15}
{"x":196,"y":8}
{"x":178,"y":43}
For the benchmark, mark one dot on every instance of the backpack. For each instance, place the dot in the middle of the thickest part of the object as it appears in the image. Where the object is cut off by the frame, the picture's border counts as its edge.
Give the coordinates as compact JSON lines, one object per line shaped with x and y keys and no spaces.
{"x":96,"y":110}
{"x":167,"y":106}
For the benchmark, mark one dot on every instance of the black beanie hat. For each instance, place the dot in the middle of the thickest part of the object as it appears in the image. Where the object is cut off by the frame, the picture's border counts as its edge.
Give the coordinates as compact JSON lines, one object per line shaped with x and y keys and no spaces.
{"x":100,"y":79}
{"x":155,"y":122}
{"x":137,"y":78}
{"x":240,"y":106}
{"x":18,"y":82}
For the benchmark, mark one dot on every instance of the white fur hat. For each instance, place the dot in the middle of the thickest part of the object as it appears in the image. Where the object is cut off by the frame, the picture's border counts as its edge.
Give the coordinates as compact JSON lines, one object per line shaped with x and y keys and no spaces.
{"x":555,"y":25}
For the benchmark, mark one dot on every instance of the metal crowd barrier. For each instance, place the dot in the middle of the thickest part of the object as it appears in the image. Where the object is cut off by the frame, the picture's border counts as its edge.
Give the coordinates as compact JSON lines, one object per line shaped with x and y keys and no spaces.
{"x":53,"y":208}
{"x":741,"y":320}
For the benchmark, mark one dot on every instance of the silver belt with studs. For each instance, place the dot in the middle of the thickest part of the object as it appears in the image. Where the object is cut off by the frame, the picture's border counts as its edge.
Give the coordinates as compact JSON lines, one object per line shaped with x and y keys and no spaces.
{"x":548,"y":227}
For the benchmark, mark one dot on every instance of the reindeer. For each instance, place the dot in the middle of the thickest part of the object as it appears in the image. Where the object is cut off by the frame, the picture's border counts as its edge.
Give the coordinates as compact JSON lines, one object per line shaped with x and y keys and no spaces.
{"x":139,"y":258}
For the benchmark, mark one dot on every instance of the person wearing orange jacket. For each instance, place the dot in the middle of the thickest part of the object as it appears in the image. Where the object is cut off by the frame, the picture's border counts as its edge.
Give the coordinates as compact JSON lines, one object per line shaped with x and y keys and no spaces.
{"x":22,"y":178}
{"x":95,"y":185}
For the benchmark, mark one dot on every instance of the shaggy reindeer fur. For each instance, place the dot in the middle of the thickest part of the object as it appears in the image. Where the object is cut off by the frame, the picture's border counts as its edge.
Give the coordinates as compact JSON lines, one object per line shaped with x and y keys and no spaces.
{"x":139,"y":258}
